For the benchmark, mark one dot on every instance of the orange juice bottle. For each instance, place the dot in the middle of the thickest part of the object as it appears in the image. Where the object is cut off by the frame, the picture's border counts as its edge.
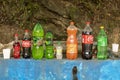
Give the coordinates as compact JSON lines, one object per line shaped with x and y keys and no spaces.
{"x":72,"y":42}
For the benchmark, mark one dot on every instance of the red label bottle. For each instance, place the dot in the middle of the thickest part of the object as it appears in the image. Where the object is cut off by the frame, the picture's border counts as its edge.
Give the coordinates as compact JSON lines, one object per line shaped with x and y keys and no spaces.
{"x":16,"y":48}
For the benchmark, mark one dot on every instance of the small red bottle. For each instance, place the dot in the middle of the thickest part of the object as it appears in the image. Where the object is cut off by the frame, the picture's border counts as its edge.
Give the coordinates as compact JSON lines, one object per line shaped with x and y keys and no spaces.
{"x":16,"y":48}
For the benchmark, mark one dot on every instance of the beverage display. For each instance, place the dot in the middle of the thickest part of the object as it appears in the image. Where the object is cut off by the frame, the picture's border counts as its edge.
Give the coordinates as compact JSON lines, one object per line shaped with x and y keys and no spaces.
{"x":26,"y":45}
{"x":37,"y":48}
{"x":102,"y":44}
{"x":59,"y":49}
{"x":49,"y":52}
{"x":16,"y":47}
{"x":87,"y":42}
{"x":72,"y":42}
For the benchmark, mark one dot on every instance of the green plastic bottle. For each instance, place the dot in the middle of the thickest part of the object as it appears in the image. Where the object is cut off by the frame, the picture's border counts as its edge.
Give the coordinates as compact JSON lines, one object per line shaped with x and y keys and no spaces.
{"x":49,"y":52}
{"x":102,"y":44}
{"x":38,"y":48}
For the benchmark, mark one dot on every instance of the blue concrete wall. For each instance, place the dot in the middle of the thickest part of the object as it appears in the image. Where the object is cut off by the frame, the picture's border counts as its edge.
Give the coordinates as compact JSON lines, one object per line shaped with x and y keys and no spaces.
{"x":22,"y":69}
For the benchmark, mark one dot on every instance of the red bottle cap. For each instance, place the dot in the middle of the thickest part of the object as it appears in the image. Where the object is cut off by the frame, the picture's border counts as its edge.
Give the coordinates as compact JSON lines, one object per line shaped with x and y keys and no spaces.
{"x":71,"y":23}
{"x":88,"y":22}
{"x":16,"y":34}
{"x":26,"y":30}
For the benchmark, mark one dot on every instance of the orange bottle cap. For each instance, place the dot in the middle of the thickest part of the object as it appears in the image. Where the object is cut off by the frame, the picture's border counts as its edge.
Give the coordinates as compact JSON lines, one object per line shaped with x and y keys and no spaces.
{"x":88,"y":22}
{"x":71,"y":23}
{"x":26,"y":30}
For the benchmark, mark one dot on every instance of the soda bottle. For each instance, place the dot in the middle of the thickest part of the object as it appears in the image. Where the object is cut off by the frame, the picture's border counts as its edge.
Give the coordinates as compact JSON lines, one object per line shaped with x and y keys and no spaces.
{"x":59,"y":49}
{"x":87,"y":42}
{"x":16,"y":47}
{"x":72,"y":42}
{"x":26,"y":45}
{"x":102,"y":44}
{"x":49,"y":53}
{"x":37,"y":48}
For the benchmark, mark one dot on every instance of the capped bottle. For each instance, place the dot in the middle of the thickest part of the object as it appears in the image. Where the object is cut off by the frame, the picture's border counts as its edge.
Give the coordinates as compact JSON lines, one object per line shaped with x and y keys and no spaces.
{"x":26,"y":45}
{"x":16,"y":47}
{"x":38,"y":48}
{"x":72,"y":42}
{"x":102,"y":44}
{"x":87,"y":42}
{"x":49,"y":51}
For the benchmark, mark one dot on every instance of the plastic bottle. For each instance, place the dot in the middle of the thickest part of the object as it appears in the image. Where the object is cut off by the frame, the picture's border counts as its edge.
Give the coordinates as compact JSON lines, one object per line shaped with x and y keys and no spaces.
{"x":16,"y":47}
{"x":49,"y":52}
{"x":59,"y":49}
{"x":72,"y":42}
{"x":26,"y":45}
{"x":37,"y":48}
{"x":102,"y":44}
{"x":87,"y":42}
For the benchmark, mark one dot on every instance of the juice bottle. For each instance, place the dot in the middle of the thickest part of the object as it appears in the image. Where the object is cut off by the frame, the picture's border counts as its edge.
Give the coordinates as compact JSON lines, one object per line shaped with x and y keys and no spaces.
{"x":72,"y":42}
{"x":37,"y":48}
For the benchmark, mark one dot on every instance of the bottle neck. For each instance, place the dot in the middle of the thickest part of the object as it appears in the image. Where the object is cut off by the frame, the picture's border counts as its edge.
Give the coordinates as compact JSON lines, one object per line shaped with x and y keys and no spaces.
{"x":16,"y":39}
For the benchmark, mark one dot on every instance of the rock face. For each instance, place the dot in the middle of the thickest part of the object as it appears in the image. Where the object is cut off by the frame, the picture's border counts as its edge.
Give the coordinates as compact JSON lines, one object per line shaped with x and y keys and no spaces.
{"x":55,"y":15}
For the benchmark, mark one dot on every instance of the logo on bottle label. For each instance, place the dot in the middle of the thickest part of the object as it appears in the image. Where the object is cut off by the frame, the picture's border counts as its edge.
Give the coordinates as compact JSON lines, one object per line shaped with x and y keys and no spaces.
{"x":37,"y":41}
{"x":16,"y":49}
{"x":87,"y":39}
{"x":71,"y":48}
{"x":102,"y":41}
{"x":26,"y":43}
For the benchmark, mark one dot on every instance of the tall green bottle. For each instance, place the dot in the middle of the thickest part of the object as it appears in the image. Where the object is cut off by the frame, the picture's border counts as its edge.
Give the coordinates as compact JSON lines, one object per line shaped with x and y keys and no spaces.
{"x":102,"y":44}
{"x":49,"y":52}
{"x":38,"y":48}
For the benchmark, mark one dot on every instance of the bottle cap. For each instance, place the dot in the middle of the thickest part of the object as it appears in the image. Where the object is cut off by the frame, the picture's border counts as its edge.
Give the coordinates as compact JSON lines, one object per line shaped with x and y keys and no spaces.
{"x":26,"y":30}
{"x":71,"y":23}
{"x":88,"y":22}
{"x":16,"y":34}
{"x":102,"y":27}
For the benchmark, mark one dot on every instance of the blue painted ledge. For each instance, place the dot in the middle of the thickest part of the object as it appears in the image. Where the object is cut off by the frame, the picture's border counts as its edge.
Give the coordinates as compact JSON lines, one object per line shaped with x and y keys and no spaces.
{"x":30,"y":69}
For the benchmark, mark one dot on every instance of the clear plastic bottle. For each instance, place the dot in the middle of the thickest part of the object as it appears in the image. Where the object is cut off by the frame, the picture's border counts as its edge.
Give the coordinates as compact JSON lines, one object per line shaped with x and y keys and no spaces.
{"x":59,"y":49}
{"x":102,"y":44}
{"x":87,"y":42}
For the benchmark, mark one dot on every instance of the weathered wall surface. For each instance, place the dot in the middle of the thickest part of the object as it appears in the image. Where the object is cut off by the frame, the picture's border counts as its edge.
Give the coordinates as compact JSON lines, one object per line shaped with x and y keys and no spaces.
{"x":55,"y":16}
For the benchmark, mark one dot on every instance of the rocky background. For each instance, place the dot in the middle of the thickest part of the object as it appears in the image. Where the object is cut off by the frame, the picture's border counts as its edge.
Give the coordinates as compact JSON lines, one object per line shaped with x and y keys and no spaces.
{"x":55,"y":15}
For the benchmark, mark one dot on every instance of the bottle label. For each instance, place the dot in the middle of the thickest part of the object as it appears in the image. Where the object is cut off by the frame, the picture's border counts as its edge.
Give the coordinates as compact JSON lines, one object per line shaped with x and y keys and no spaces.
{"x":87,"y":39}
{"x":26,"y":43}
{"x":71,"y":48}
{"x":17,"y":49}
{"x":37,"y":41}
{"x":102,"y":41}
{"x":59,"y":51}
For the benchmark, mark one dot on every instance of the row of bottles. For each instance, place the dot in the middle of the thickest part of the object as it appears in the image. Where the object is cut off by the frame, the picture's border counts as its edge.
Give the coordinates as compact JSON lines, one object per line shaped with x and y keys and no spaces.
{"x":45,"y":48}
{"x":39,"y":46}
{"x":87,"y":42}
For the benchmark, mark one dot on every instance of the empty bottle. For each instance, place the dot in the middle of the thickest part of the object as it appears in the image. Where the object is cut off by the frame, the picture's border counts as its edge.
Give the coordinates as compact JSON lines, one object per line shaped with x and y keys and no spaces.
{"x":72,"y":42}
{"x":102,"y":44}
{"x":16,"y":48}
{"x":87,"y":42}
{"x":37,"y":48}
{"x":49,"y":52}
{"x":26,"y":45}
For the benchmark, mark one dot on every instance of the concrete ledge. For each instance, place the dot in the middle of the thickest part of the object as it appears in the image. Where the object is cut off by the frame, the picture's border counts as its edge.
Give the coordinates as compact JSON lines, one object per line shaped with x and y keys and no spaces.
{"x":30,"y":69}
